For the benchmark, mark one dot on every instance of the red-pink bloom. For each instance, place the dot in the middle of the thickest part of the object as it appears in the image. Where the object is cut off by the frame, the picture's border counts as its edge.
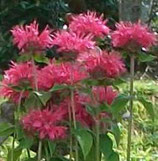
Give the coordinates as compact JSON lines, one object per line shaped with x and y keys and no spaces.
{"x":130,"y":35}
{"x":81,"y":114}
{"x":64,"y":73}
{"x":45,"y":123}
{"x":89,"y":23}
{"x":72,"y":42}
{"x":70,"y":74}
{"x":104,"y":94}
{"x":101,"y":64}
{"x":46,"y":77}
{"x":19,"y":76}
{"x":28,"y":37}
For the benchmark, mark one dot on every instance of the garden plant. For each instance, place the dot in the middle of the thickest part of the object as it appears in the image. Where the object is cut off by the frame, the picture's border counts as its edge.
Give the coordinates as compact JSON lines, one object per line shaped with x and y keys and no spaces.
{"x":68,"y":107}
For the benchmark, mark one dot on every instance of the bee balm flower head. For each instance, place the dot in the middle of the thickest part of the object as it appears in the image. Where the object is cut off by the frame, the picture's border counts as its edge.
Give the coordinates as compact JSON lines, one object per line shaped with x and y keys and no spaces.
{"x":101,"y":64}
{"x":89,"y":23}
{"x":27,"y":38}
{"x":132,"y":36}
{"x":19,"y":75}
{"x":72,"y":42}
{"x":45,"y":123}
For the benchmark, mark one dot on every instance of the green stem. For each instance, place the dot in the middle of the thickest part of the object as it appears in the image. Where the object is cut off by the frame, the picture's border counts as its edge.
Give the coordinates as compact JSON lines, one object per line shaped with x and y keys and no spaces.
{"x":13,"y":146}
{"x":132,"y":59}
{"x":17,"y":115}
{"x":74,"y":123}
{"x":39,"y":150}
{"x":71,"y":142}
{"x":97,"y":141}
{"x":34,"y":74}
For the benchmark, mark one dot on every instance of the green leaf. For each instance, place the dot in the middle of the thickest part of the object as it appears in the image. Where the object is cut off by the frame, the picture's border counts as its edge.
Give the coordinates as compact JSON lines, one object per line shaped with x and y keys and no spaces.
{"x":26,"y":142}
{"x":148,"y":106}
{"x":58,"y":159}
{"x":43,"y":96}
{"x":91,"y":110}
{"x":91,"y":156}
{"x":24,"y":58}
{"x":6,"y":129}
{"x":52,"y":147}
{"x":85,"y":140}
{"x":145,"y":57}
{"x":57,"y":87}
{"x":106,"y":145}
{"x":32,"y":101}
{"x":40,"y":58}
{"x":90,"y":82}
{"x":119,"y":104}
{"x":113,"y":157}
{"x":31,"y":159}
{"x":115,"y":130}
{"x":16,"y":154}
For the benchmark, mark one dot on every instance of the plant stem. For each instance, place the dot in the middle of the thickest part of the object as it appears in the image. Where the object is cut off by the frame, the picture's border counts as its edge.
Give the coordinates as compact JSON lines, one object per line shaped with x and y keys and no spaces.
{"x":16,"y":116}
{"x":97,"y":141}
{"x":132,"y":59}
{"x":74,"y":123}
{"x":71,"y":143}
{"x":34,"y":74}
{"x":39,"y":150}
{"x":12,"y":150}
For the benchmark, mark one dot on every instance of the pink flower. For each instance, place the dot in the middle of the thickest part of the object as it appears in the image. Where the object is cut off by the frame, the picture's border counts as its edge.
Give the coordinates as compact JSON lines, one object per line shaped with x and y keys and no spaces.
{"x":64,"y":73}
{"x":104,"y":94}
{"x":72,"y":42}
{"x":19,"y":76}
{"x":130,"y":35}
{"x":70,"y":74}
{"x":81,"y":114}
{"x":28,"y":37}
{"x":45,"y":123}
{"x":89,"y":23}
{"x":101,"y":64}
{"x":46,"y":77}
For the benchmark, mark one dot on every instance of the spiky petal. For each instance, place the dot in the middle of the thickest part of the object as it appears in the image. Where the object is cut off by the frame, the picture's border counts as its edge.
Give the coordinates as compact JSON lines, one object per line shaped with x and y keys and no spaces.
{"x":72,"y":42}
{"x":89,"y":23}
{"x":28,"y":37}
{"x":19,"y":75}
{"x":128,"y":35}
{"x":101,"y":64}
{"x":45,"y":123}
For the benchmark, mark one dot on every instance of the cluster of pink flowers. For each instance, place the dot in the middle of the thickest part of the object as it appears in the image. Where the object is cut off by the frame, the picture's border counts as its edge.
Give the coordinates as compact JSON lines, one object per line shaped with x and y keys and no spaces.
{"x":72,"y":42}
{"x":90,"y":62}
{"x":132,"y":35}
{"x":28,"y":37}
{"x":63,"y":73}
{"x":16,"y":81}
{"x":100,"y":94}
{"x":45,"y":123}
{"x":101,"y":64}
{"x":89,"y":23}
{"x":104,"y":94}
{"x":81,"y":114}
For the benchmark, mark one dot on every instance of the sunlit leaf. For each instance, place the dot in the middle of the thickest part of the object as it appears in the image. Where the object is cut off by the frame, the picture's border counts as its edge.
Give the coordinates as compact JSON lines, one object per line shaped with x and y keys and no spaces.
{"x":106,"y":145}
{"x":148,"y":106}
{"x":85,"y":140}
{"x":119,"y":104}
{"x":6,"y":129}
